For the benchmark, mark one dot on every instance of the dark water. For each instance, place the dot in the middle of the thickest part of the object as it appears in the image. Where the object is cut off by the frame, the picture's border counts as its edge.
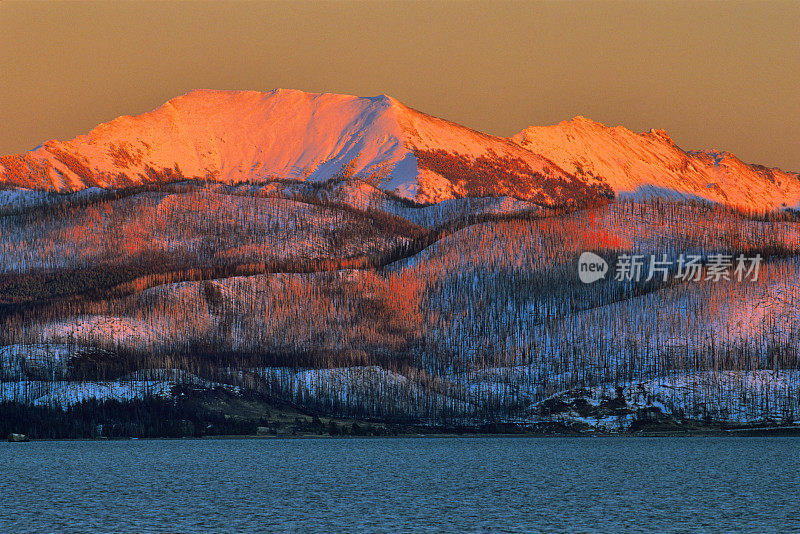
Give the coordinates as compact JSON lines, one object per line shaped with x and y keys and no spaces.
{"x":402,"y":485}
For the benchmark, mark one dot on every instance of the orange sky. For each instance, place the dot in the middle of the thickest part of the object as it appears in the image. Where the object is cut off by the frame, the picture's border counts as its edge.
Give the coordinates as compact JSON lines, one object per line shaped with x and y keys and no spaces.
{"x":721,"y":75}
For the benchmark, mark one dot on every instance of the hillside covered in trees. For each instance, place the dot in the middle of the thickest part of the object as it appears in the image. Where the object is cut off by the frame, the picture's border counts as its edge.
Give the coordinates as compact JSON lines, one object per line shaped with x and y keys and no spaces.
{"x":236,"y":260}
{"x":340,"y":300}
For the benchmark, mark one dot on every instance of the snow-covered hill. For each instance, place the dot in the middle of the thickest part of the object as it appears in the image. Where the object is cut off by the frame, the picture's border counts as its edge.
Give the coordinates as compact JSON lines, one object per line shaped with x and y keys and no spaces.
{"x":249,"y":136}
{"x":650,"y":164}
{"x":238,"y":136}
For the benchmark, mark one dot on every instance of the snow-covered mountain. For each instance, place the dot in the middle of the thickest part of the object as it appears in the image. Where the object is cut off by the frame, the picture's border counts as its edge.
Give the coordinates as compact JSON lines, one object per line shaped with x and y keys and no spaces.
{"x":237,"y":136}
{"x":651,"y":164}
{"x":249,"y":136}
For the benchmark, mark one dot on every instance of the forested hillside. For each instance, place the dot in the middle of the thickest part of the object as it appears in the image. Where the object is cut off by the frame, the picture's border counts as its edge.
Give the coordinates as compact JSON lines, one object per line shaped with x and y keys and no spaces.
{"x":346,"y":301}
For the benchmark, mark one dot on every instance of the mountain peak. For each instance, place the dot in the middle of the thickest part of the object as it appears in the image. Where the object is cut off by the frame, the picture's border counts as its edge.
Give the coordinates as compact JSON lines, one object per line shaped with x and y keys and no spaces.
{"x":252,"y":136}
{"x":661,"y":135}
{"x":580,"y":119}
{"x":647,"y":164}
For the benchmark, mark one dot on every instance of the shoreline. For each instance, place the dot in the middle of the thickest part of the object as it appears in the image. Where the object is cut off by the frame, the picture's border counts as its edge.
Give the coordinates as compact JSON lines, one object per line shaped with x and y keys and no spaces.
{"x":755,"y":432}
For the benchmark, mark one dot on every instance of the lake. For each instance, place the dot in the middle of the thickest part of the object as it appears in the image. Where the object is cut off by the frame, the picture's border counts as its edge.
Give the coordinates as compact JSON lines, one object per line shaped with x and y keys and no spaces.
{"x":478,"y":484}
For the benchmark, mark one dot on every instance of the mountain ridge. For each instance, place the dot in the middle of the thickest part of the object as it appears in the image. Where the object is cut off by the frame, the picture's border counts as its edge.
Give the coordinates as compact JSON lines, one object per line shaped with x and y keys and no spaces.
{"x":250,"y":136}
{"x":652,"y":164}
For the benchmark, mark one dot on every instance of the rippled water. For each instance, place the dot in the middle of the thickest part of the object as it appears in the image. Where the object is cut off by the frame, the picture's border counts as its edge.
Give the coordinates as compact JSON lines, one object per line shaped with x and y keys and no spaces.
{"x":401,"y":484}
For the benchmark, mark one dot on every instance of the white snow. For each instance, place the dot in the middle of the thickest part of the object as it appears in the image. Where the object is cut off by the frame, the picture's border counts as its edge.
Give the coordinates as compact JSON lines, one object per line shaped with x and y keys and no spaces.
{"x":106,"y":329}
{"x":139,"y":385}
{"x":650,"y":164}
{"x":250,"y":136}
{"x":237,"y":136}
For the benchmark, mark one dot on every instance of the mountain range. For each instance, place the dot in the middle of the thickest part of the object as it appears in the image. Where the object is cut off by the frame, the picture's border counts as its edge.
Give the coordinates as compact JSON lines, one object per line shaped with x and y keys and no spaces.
{"x":248,"y":261}
{"x":253,"y":137}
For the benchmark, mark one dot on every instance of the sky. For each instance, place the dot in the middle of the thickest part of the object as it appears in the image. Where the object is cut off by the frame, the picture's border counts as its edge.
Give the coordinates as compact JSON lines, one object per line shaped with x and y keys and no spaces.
{"x":714,"y":75}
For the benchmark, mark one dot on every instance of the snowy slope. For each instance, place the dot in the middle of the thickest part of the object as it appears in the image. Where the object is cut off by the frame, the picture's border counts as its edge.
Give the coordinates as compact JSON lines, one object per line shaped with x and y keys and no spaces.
{"x":650,"y":164}
{"x":237,"y":136}
{"x":249,"y":136}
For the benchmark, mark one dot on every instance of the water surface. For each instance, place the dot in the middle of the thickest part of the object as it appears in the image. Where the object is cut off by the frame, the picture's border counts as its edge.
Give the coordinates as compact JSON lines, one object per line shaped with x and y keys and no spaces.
{"x":401,"y":484}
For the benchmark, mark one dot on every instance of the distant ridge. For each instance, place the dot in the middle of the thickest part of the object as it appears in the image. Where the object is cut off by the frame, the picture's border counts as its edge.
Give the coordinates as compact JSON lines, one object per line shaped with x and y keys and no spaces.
{"x":651,"y":164}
